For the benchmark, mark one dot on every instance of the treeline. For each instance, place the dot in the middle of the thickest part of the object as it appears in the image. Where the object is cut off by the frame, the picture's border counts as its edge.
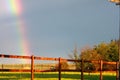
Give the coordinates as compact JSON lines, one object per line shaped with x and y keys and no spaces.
{"x":103,"y":51}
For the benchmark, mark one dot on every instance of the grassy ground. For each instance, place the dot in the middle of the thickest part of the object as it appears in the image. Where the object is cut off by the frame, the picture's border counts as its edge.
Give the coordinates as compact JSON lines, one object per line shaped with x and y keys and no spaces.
{"x":54,"y":76}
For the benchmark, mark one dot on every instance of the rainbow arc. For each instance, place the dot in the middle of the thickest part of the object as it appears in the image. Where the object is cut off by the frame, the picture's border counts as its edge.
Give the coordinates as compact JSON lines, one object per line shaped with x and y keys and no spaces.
{"x":15,"y":8}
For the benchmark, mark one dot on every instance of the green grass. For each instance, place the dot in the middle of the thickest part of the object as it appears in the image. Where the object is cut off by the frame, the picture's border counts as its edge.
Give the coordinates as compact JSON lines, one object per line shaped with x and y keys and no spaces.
{"x":54,"y":76}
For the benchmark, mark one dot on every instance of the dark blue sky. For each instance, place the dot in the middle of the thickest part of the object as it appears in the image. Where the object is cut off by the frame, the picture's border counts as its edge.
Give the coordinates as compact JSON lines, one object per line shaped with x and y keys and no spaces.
{"x":54,"y":26}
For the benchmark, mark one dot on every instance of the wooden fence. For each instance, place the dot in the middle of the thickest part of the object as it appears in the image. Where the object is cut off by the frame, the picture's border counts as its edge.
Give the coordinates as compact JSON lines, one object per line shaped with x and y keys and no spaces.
{"x":32,"y":70}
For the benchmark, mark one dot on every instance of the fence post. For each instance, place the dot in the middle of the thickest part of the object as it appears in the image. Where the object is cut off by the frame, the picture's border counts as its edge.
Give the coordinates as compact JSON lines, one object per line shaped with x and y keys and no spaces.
{"x":2,"y":68}
{"x":59,"y":68}
{"x":32,"y":67}
{"x":82,"y":69}
{"x":101,"y":65}
{"x":117,"y":70}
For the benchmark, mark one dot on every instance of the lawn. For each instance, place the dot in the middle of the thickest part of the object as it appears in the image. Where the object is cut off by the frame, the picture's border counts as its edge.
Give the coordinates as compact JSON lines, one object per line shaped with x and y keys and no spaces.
{"x":54,"y":76}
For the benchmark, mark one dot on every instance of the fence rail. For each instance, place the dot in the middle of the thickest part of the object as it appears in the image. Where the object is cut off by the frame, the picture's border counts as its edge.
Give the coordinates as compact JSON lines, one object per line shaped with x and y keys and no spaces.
{"x":32,"y":69}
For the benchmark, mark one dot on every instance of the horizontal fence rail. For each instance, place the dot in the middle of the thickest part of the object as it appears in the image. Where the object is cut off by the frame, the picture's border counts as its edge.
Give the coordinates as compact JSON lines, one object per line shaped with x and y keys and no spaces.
{"x":32,"y":69}
{"x":54,"y":59}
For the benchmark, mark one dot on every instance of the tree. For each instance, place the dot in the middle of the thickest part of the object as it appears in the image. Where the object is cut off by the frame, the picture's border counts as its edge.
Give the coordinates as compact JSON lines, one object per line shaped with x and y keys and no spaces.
{"x":103,"y":51}
{"x":64,"y":65}
{"x":90,"y":54}
{"x":108,"y":51}
{"x":75,"y":56}
{"x":113,"y":51}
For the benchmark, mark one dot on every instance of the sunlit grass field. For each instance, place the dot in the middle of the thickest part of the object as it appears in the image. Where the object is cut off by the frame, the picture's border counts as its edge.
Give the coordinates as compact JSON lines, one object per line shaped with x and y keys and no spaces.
{"x":54,"y":76}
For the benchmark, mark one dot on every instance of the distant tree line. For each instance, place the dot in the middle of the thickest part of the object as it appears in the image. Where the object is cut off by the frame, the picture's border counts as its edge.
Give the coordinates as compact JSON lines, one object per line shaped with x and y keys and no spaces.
{"x":103,"y":51}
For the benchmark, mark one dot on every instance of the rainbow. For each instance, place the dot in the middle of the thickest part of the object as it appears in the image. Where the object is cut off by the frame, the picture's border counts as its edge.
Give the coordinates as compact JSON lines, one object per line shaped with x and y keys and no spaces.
{"x":14,"y":7}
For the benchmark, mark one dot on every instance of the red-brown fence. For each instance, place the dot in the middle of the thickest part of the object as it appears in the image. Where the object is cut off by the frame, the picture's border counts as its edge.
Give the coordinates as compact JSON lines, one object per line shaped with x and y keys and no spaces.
{"x":32,"y":70}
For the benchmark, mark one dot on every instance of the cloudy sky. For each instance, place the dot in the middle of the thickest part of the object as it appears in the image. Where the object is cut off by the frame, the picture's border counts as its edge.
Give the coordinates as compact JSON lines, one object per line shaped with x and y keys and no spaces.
{"x":54,"y":27}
